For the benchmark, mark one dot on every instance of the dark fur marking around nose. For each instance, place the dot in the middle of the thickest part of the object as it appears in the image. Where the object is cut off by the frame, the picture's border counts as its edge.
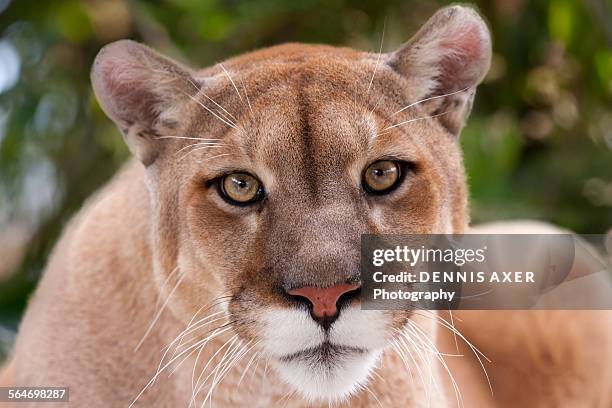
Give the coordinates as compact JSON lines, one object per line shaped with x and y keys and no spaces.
{"x":308,"y":143}
{"x":324,"y":301}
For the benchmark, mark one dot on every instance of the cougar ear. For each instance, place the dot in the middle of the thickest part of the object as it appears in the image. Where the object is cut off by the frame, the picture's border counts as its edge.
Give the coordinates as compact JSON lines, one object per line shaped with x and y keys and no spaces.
{"x":450,"y":54}
{"x":141,"y":91}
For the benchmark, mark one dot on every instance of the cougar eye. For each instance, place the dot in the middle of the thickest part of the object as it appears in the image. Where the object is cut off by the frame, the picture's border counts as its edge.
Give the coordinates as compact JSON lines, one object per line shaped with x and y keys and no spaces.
{"x":240,"y":188}
{"x":381,"y":177}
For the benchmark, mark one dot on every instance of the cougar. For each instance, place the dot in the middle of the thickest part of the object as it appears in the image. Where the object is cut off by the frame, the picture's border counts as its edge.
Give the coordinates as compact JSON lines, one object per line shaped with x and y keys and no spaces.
{"x":221,"y":265}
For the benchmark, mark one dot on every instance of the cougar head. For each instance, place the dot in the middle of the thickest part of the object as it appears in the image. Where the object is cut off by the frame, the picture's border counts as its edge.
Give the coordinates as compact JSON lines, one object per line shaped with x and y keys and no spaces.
{"x":265,"y":170}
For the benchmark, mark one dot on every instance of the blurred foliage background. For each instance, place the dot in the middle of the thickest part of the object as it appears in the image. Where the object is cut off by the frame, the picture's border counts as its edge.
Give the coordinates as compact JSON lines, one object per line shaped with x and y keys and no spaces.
{"x":538,"y":144}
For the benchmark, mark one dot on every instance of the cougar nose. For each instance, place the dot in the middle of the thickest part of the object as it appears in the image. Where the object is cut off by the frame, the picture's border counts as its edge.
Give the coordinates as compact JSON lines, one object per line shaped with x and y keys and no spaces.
{"x":324,"y":301}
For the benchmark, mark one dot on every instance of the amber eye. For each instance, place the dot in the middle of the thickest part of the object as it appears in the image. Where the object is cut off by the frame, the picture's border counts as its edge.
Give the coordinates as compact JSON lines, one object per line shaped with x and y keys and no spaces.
{"x":240,"y":188}
{"x":381,"y":177}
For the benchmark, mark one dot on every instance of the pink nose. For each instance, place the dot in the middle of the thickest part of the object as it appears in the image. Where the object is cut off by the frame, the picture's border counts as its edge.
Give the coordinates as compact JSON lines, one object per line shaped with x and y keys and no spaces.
{"x":324,"y":300}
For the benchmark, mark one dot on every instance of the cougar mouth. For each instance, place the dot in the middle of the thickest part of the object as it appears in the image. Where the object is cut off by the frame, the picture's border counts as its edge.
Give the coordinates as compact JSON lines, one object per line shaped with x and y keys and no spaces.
{"x":326,"y":353}
{"x":324,"y":365}
{"x":327,"y":372}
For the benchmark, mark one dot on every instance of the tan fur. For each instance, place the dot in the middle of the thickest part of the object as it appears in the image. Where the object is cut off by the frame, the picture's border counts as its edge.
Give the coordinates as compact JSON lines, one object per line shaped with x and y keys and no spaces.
{"x":540,"y":358}
{"x":306,"y":120}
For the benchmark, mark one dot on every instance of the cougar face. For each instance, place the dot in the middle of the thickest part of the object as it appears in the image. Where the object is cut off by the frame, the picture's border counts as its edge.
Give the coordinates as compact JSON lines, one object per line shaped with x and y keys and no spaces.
{"x":265,"y":170}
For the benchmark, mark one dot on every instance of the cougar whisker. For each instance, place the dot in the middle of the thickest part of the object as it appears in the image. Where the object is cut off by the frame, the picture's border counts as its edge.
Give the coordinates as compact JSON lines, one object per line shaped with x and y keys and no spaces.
{"x":222,"y":108}
{"x":159,"y":371}
{"x":232,"y":81}
{"x":365,"y":387}
{"x":286,"y":398}
{"x":158,"y":314}
{"x":231,"y":363}
{"x":192,"y":347}
{"x":199,"y":90}
{"x":404,"y":348}
{"x":246,"y":95}
{"x":228,"y":343}
{"x":228,"y":123}
{"x":417,"y":344}
{"x":385,"y":130}
{"x":477,"y":353}
{"x":246,"y":369}
{"x":183,"y":344}
{"x":203,"y":148}
{"x":382,"y":39}
{"x":439,"y":357}
{"x":208,"y":144}
{"x":426,"y":361}
{"x":163,"y":287}
{"x":447,"y":325}
{"x":189,"y":138}
{"x":431,"y":98}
